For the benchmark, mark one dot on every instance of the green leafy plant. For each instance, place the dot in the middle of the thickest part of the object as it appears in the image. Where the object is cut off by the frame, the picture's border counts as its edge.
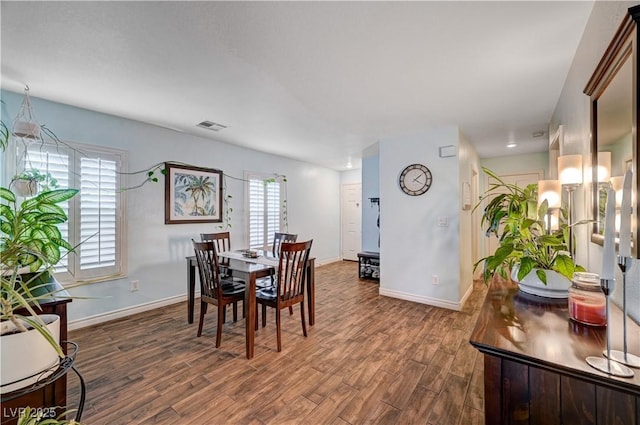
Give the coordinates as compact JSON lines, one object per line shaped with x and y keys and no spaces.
{"x":30,"y":241}
{"x":512,"y":215}
{"x":4,"y":136}
{"x":46,"y":181}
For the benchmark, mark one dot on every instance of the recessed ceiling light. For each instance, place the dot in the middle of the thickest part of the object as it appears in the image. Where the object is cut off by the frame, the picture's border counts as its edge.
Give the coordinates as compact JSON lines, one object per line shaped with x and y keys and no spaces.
{"x":511,"y":145}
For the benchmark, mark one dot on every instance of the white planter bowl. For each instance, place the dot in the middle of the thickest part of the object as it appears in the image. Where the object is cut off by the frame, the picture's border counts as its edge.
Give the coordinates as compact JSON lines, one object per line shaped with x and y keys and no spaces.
{"x":557,"y":285}
{"x":28,"y":353}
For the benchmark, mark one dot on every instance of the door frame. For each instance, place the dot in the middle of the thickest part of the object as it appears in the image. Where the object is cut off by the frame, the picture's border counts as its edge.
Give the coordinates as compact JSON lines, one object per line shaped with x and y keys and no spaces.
{"x":343,"y":188}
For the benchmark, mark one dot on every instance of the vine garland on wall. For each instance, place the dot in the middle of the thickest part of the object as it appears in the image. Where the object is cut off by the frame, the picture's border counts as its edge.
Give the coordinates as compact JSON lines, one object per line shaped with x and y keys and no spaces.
{"x":151,"y":175}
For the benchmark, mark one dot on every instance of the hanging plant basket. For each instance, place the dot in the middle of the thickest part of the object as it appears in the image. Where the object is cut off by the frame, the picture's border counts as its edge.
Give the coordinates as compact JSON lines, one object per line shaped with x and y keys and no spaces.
{"x":26,"y":129}
{"x":25,"y":124}
{"x":25,"y":187}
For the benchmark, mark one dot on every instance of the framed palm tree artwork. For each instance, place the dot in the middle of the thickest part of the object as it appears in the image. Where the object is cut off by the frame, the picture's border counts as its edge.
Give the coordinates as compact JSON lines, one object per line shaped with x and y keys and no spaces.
{"x":192,"y":194}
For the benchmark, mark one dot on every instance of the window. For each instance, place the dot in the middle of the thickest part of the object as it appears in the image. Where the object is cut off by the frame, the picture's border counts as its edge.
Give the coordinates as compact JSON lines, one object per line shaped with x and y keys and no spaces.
{"x":96,"y":214}
{"x":264,"y":210}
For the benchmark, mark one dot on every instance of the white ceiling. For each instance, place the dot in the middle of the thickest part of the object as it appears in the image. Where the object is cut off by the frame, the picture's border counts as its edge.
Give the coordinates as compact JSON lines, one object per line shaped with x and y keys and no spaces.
{"x":315,"y":81}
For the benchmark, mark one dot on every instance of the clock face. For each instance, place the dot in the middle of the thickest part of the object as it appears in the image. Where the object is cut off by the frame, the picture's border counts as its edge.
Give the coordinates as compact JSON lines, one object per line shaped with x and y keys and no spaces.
{"x":415,"y":179}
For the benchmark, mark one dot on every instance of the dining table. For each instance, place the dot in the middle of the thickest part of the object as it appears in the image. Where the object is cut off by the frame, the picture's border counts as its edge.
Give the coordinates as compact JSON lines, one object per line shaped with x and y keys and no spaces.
{"x":250,"y":269}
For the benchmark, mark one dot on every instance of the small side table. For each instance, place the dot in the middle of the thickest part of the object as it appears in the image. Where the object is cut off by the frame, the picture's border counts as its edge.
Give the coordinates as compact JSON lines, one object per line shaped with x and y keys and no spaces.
{"x":369,"y":265}
{"x":30,"y":396}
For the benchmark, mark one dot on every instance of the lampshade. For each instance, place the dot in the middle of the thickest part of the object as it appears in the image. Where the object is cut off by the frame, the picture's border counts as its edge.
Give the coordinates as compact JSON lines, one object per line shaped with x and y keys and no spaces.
{"x":570,"y":169}
{"x":604,"y":167}
{"x":616,"y":184}
{"x":551,"y":191}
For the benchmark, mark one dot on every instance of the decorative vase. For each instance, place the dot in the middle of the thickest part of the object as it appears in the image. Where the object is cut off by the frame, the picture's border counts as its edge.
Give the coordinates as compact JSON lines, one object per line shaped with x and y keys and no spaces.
{"x":26,"y":357}
{"x":557,"y":285}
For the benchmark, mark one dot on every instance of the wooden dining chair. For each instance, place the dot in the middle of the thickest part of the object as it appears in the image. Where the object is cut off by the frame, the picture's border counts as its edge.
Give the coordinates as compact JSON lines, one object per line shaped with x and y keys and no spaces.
{"x":279,"y":238}
{"x":213,"y":289}
{"x":289,"y":285}
{"x":222,"y":241}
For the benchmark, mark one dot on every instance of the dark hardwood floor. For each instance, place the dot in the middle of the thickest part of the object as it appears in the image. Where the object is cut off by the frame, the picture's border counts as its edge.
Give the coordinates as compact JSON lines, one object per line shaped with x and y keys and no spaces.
{"x":368,"y":359}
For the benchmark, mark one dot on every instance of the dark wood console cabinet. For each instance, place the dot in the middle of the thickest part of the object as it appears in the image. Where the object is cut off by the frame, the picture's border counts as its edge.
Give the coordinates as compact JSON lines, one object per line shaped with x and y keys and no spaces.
{"x":54,"y":394}
{"x":534,"y":363}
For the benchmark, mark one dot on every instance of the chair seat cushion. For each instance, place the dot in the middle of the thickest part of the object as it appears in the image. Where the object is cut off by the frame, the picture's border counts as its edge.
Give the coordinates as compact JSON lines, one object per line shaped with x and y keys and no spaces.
{"x":232,"y":291}
{"x":269,"y":293}
{"x":232,"y":287}
{"x":264,"y":282}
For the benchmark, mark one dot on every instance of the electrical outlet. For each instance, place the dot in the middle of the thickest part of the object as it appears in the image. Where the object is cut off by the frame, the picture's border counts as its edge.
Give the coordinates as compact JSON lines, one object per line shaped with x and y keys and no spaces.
{"x":135,"y":285}
{"x":435,"y":279}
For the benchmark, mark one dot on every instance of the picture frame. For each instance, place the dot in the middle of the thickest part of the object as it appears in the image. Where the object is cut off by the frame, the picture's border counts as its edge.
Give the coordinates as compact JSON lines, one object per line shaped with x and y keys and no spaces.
{"x":192,"y":194}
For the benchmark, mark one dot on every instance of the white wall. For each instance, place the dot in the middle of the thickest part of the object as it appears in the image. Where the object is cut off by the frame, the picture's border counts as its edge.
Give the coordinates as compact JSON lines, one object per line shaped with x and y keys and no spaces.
{"x":351,"y":176}
{"x":413,"y":246}
{"x":516,"y":163}
{"x":156,"y":251}
{"x":370,"y":189}
{"x":573,"y":112}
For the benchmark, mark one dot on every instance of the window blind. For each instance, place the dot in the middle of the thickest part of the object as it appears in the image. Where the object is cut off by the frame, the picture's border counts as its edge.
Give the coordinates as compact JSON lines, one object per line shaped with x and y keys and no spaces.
{"x":264,"y":211}
{"x":98,"y":213}
{"x":56,"y":164}
{"x":95,"y":216}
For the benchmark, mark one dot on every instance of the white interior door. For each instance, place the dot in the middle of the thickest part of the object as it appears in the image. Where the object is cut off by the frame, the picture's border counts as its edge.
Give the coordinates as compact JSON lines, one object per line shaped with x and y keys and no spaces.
{"x":351,"y":221}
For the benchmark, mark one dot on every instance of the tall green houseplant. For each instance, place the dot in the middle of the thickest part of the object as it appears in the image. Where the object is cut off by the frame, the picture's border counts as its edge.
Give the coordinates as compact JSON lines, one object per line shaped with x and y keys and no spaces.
{"x":525,"y":240}
{"x":30,"y":241}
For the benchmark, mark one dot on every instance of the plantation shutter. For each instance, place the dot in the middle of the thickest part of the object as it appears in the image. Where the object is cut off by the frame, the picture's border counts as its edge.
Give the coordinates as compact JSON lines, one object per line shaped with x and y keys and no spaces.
{"x":264,"y":211}
{"x":95,"y":214}
{"x":98,"y":216}
{"x":56,"y":163}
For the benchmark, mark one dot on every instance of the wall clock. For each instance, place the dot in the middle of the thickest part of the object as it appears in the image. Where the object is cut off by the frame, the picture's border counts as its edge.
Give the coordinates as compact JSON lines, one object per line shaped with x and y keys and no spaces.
{"x":415,"y":179}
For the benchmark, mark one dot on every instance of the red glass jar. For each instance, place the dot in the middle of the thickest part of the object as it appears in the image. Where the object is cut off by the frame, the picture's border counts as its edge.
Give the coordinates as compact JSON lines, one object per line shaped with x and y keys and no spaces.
{"x":586,"y":300}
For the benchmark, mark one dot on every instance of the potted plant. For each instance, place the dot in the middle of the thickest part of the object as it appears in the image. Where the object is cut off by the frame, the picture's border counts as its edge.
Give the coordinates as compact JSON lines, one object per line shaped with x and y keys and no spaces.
{"x":528,"y":250}
{"x":29,"y":182}
{"x":30,"y":245}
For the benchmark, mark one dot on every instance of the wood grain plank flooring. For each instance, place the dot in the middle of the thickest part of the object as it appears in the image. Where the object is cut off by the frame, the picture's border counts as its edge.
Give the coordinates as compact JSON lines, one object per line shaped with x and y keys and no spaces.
{"x":368,"y":360}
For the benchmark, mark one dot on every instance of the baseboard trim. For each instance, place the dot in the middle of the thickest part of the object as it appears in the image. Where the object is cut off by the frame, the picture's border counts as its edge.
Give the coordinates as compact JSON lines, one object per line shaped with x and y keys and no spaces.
{"x":329,"y":261}
{"x":421,"y":299}
{"x":124,"y":312}
{"x":466,"y":295}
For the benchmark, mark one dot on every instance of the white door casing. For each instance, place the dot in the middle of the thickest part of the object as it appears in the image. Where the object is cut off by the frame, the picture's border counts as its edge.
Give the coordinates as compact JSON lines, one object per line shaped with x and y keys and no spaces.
{"x":351,"y":213}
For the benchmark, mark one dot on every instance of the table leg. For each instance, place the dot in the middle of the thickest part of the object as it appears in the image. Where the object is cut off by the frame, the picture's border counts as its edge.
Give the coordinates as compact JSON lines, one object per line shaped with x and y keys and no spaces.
{"x":191,"y":289}
{"x":250,"y":313}
{"x":311,"y":291}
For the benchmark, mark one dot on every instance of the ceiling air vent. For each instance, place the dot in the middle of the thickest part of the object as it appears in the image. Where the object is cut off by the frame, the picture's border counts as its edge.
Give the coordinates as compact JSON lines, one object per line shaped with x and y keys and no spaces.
{"x":210,"y":125}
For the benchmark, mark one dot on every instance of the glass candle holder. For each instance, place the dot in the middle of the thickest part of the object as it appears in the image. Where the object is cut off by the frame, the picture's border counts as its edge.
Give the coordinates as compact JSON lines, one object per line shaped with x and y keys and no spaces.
{"x":586,"y":300}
